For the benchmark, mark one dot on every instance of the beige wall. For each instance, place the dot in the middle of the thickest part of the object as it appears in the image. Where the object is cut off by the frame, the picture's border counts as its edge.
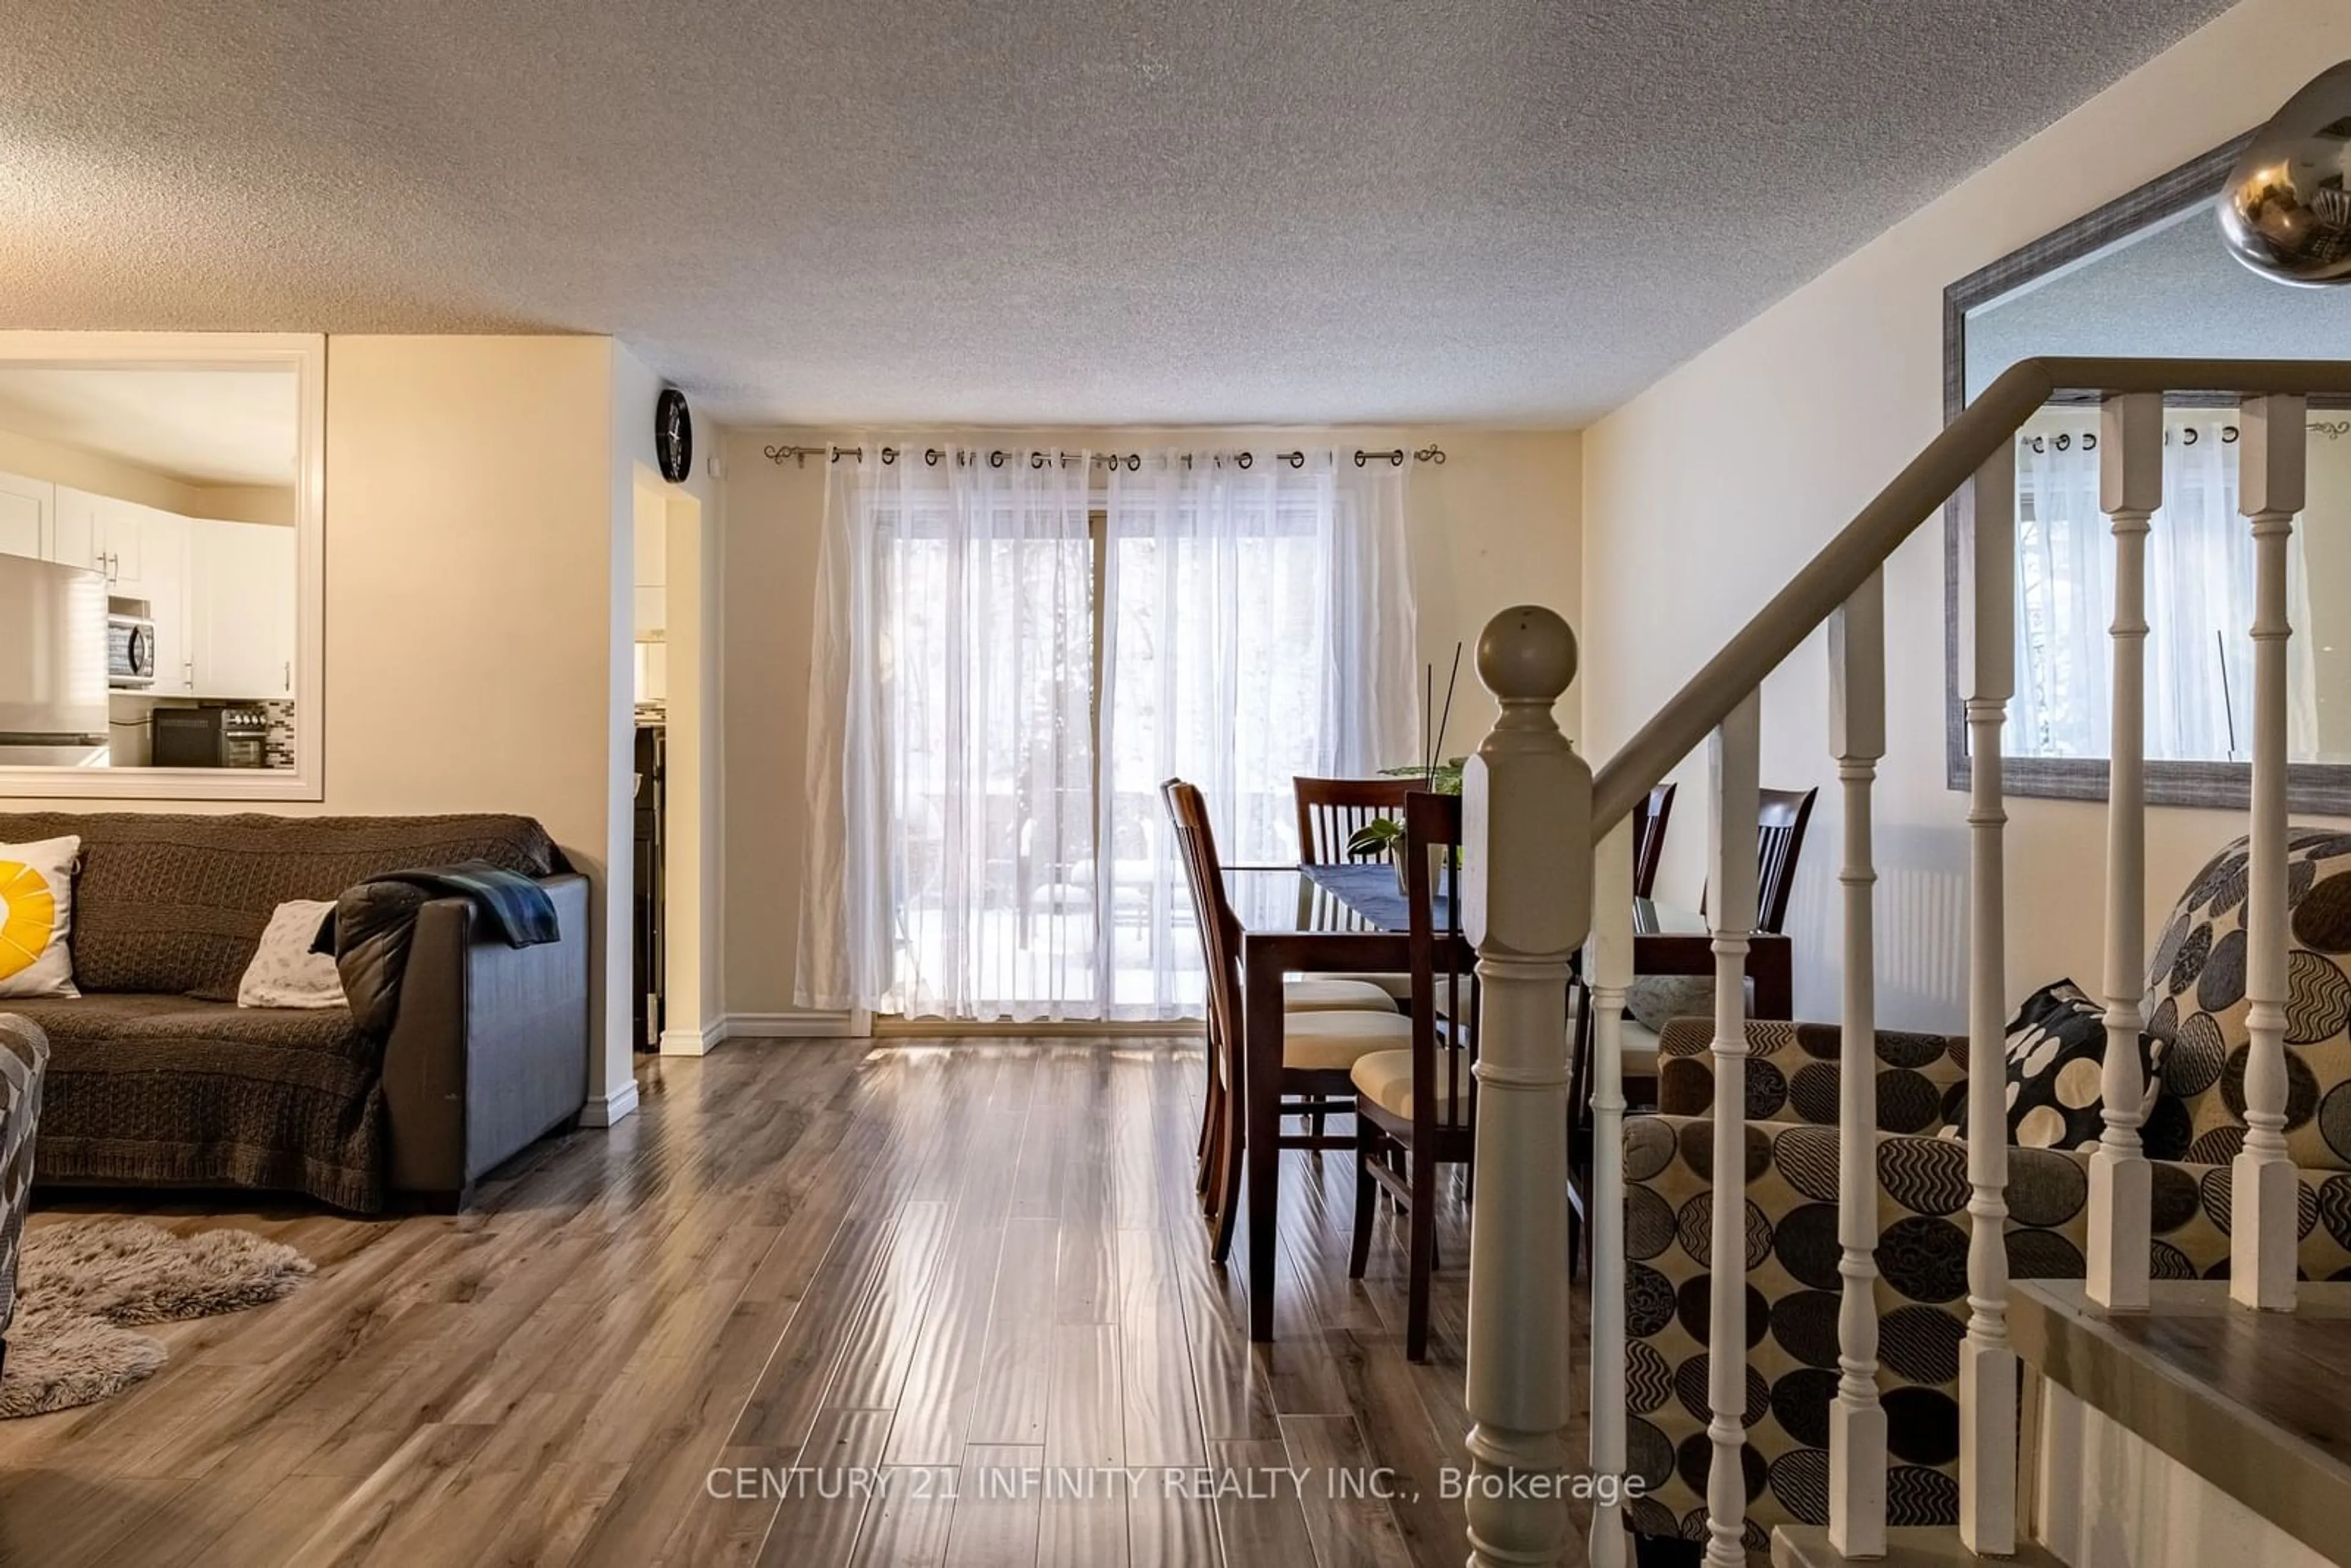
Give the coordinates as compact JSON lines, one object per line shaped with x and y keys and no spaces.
{"x":100,"y":472}
{"x":688,"y":531}
{"x":1495,"y":524}
{"x":243,"y":502}
{"x":103,"y":474}
{"x":2326,"y":557}
{"x":1706,"y":492}
{"x":471,"y":604}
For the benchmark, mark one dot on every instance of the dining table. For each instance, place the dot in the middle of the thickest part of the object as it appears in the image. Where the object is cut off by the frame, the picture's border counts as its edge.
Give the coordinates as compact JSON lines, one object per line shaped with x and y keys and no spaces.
{"x":1354,"y":919}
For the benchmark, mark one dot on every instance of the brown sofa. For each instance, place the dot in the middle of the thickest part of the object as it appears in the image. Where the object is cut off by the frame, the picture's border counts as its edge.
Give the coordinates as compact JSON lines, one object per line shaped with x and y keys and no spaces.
{"x":156,"y":1078}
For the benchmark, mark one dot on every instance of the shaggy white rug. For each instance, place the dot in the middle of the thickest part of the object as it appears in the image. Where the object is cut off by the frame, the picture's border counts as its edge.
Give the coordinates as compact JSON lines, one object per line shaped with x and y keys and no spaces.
{"x":80,"y":1284}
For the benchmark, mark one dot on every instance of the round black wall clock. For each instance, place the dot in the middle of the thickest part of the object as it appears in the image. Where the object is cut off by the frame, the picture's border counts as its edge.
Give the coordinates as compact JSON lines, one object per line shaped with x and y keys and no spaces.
{"x":673,"y":436}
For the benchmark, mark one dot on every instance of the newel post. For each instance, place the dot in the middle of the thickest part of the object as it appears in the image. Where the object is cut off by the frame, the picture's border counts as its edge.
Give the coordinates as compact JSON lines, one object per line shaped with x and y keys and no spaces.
{"x":1526,"y":833}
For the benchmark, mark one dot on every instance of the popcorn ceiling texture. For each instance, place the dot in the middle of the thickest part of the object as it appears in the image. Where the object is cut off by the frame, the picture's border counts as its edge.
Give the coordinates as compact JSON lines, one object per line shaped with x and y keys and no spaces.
{"x":1047,"y":211}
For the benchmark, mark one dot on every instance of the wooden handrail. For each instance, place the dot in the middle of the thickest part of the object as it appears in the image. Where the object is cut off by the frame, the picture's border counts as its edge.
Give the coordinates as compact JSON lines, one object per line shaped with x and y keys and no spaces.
{"x":1896,"y":512}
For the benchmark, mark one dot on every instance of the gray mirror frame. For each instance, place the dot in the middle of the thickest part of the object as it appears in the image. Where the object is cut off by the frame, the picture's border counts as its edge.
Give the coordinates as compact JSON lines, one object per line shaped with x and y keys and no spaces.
{"x":2314,"y":787}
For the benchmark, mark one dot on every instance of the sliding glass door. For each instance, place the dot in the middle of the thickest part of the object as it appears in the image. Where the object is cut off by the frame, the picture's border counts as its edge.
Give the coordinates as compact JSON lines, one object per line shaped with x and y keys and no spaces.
{"x":989,"y":686}
{"x":1027,"y":652}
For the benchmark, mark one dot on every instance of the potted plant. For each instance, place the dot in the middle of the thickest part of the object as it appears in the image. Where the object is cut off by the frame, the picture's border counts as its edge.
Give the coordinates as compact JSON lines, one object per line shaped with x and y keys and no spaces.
{"x":1384,"y":835}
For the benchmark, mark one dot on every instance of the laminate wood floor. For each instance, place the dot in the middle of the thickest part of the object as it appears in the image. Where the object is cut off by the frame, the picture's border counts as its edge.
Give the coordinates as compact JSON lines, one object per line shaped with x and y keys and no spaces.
{"x":818,"y":1303}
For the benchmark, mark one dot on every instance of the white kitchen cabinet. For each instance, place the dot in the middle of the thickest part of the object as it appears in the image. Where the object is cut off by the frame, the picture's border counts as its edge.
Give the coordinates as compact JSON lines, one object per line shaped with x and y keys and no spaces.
{"x":162,"y":585}
{"x":221,"y":595}
{"x":106,"y":535}
{"x":143,"y":551}
{"x":77,"y":537}
{"x":240,"y":593}
{"x":126,"y":525}
{"x":25,"y":508}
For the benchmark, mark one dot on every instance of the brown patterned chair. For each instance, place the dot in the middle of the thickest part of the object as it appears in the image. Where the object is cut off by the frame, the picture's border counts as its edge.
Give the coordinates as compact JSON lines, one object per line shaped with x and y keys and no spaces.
{"x":24,"y":1053}
{"x":2196,"y":1005}
{"x":1792,"y":1261}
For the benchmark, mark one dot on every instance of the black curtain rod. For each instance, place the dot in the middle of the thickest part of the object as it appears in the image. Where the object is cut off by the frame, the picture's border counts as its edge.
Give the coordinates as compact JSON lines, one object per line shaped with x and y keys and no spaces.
{"x":1129,"y":461}
{"x":2333,"y":429}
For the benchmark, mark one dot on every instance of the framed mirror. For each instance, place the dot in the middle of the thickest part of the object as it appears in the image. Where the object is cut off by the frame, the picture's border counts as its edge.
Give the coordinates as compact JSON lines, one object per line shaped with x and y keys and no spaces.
{"x":162,"y":565}
{"x":2147,"y":276}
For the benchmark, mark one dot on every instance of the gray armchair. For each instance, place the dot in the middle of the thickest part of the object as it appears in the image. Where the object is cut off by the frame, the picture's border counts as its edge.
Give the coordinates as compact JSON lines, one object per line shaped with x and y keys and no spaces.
{"x":24,"y":1053}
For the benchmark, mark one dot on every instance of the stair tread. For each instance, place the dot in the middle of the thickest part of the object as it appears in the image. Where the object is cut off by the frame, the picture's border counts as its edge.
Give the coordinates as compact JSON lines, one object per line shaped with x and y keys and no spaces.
{"x":1807,"y":1546}
{"x":2249,"y":1402}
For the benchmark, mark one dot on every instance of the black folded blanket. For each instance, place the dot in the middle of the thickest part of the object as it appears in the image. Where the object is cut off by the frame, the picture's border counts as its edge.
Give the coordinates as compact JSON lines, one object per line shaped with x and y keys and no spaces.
{"x":373,"y":924}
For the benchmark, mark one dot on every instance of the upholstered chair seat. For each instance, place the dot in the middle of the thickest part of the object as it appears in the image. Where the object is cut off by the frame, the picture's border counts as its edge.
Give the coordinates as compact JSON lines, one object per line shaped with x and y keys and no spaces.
{"x":1335,"y":1040}
{"x":1397,"y":986}
{"x":1334,"y":994}
{"x":1385,"y":1077}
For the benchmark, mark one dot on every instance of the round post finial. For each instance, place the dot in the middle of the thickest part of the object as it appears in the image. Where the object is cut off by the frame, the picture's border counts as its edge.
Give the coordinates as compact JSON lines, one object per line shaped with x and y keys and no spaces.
{"x":2282,"y":212}
{"x":1527,"y":654}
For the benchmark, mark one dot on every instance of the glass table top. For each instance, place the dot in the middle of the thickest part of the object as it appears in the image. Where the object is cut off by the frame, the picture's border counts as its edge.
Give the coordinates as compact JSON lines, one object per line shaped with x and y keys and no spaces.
{"x":1300,"y":898}
{"x":1365,"y":897}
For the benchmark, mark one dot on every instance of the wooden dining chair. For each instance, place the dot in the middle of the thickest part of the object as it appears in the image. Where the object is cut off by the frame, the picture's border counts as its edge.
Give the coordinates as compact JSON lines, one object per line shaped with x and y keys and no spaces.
{"x":1416,"y":1108}
{"x":1332,"y":811}
{"x":1319,"y":1045}
{"x":1312,"y":993}
{"x":1583,"y":1034}
{"x":1780,"y":818}
{"x":1212,"y":1107}
{"x":1650,"y":814}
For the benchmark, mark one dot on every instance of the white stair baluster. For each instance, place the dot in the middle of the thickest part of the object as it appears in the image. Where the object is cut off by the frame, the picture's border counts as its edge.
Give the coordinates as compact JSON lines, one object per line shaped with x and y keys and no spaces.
{"x":1731,"y":835}
{"x":1610,"y":956}
{"x":2130,"y":474}
{"x":1525,"y":821}
{"x":2264,"y":1200}
{"x":1856,"y":1420}
{"x":1987,"y":1362}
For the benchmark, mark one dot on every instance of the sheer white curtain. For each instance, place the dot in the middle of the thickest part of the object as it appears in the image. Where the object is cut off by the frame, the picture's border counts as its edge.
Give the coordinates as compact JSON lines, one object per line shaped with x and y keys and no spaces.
{"x":1261,"y":628}
{"x":2199,"y":601}
{"x":1012,"y":651}
{"x":951,"y":752}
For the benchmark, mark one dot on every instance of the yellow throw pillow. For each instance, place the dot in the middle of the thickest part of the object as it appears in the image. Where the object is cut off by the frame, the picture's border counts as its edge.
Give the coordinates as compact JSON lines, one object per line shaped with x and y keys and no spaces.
{"x":36,"y":916}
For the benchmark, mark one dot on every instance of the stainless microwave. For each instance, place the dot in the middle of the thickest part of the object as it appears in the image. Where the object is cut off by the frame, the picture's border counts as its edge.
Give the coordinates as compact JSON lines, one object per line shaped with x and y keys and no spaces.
{"x":130,"y":651}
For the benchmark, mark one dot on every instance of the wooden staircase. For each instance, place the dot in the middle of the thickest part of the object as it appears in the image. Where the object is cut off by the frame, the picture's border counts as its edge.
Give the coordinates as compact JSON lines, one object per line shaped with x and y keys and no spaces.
{"x":1807,"y":1546}
{"x":1547,"y":856}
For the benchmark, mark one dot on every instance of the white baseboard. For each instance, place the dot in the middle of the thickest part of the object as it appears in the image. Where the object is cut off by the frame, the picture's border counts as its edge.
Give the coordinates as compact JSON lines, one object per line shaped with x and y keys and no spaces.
{"x":806,"y":1025}
{"x":610,"y":1110}
{"x":693,"y":1041}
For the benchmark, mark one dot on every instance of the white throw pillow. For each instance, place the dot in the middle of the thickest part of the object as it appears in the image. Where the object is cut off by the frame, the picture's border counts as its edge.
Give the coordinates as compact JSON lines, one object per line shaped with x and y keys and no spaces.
{"x":284,"y":973}
{"x":36,"y":917}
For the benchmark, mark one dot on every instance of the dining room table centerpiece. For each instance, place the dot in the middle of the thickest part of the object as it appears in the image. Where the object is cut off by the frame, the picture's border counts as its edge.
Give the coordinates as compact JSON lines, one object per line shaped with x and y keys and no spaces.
{"x":1385,"y":836}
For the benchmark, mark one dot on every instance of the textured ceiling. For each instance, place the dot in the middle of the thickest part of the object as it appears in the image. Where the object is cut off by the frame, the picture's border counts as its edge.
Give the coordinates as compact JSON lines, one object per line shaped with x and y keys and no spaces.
{"x":1056,"y":211}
